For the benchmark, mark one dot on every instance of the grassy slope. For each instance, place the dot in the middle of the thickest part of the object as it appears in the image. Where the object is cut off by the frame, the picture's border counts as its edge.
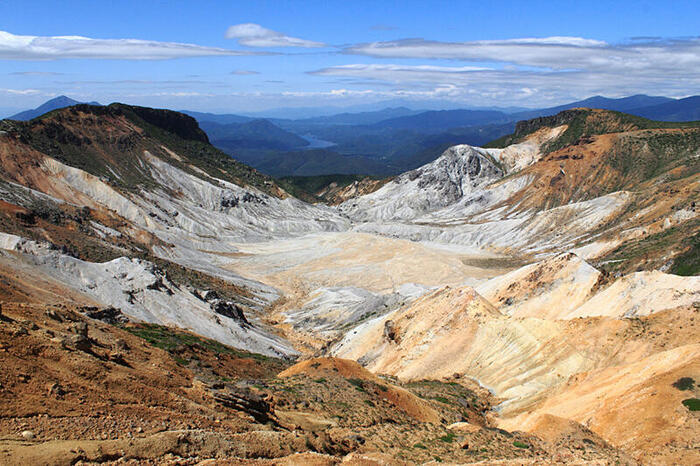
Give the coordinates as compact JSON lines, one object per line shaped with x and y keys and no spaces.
{"x":651,"y":159}
{"x":97,"y":140}
{"x":580,"y":124}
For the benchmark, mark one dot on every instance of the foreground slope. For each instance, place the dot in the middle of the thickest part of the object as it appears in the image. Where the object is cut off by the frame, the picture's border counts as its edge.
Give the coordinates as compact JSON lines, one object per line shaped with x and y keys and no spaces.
{"x":80,"y":390}
{"x":552,"y":340}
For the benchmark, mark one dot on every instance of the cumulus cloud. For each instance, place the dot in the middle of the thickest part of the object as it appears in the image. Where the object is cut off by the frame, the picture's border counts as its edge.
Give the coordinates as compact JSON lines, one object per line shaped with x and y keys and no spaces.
{"x":553,"y":53}
{"x":14,"y":47}
{"x":254,"y":35}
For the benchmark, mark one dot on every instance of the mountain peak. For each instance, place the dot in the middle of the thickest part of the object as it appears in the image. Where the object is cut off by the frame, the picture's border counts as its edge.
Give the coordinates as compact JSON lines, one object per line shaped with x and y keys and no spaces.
{"x":60,"y":100}
{"x":53,"y":104}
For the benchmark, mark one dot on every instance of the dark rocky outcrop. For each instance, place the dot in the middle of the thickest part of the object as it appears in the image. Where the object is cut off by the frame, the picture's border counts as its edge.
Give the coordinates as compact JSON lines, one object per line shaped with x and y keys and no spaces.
{"x":246,"y":401}
{"x":230,"y":310}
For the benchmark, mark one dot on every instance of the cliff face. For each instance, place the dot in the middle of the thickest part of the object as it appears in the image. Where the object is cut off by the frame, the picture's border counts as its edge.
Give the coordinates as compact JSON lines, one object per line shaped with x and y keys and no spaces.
{"x":179,"y":124}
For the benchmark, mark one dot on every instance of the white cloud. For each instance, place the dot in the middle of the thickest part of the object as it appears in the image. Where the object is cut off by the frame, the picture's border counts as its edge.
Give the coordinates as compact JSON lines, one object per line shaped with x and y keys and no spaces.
{"x":553,"y":53}
{"x":21,"y":91}
{"x":531,"y":71}
{"x":398,"y":73}
{"x":508,"y":86}
{"x":14,"y":47}
{"x":244,"y":72}
{"x":254,"y":35}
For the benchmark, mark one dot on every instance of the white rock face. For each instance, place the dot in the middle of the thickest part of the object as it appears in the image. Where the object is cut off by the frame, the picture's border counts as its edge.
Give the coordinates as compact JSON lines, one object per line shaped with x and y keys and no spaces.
{"x":9,"y":242}
{"x":462,"y":199}
{"x":518,"y":156}
{"x":200,"y":218}
{"x":458,"y":172}
{"x":529,"y":232}
{"x":217,"y":208}
{"x":142,"y":292}
{"x":332,"y":311}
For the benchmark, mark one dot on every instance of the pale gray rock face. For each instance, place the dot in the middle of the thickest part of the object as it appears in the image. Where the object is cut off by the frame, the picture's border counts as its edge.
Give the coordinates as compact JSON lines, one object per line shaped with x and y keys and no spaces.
{"x":462,"y":198}
{"x":332,"y":311}
{"x":458,"y":172}
{"x":141,"y":291}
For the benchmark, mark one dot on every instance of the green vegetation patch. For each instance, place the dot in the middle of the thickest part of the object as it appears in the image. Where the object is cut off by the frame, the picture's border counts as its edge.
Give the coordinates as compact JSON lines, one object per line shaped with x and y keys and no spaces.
{"x":441,"y":399}
{"x":519,"y":444}
{"x":649,"y":252}
{"x":359,"y":384}
{"x":644,"y":156}
{"x":693,"y":404}
{"x":171,"y":340}
{"x":581,"y":126}
{"x":688,"y":262}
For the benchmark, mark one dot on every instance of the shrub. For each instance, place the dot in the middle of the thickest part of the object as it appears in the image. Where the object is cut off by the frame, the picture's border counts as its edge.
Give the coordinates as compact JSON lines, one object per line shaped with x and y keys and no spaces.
{"x":684,"y":383}
{"x":358,"y":383}
{"x":693,"y":404}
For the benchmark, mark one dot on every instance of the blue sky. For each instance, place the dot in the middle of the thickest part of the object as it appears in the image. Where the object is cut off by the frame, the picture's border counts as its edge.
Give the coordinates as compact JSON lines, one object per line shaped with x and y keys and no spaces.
{"x":236,"y":56}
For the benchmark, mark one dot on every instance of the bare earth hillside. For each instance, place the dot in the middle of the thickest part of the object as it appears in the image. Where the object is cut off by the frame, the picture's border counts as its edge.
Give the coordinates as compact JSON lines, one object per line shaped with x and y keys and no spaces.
{"x":532,"y":302}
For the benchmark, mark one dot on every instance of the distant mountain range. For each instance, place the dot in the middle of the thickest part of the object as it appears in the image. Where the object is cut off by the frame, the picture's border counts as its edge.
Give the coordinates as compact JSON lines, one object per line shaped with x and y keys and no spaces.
{"x":226,"y":119}
{"x":625,"y":104}
{"x":687,"y":109}
{"x":53,"y":104}
{"x":396,"y":139}
{"x":386,"y":141}
{"x":445,"y":119}
{"x":254,"y":134}
{"x":361,"y":118}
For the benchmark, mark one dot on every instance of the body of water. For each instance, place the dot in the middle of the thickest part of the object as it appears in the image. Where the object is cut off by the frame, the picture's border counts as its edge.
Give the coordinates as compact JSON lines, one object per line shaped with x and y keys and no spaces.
{"x":315,"y":143}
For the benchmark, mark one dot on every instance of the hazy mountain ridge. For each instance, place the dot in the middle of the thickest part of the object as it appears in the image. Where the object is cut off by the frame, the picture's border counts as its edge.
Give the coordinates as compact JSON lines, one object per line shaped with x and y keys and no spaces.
{"x":395,"y":139}
{"x":687,"y":109}
{"x":254,"y":134}
{"x":53,"y":104}
{"x":406,"y":142}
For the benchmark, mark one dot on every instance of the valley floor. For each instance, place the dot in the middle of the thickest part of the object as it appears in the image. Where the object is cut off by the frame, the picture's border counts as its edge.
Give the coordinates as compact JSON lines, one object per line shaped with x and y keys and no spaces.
{"x":331,"y":281}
